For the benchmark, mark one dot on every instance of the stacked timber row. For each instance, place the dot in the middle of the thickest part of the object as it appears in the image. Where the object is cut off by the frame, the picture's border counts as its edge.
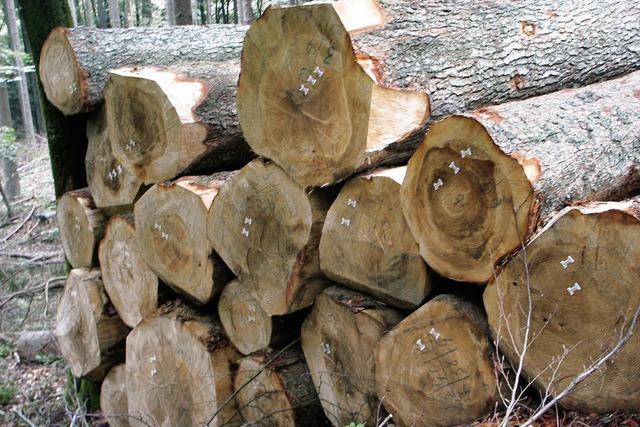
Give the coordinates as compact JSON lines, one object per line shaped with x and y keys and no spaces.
{"x":210,"y":287}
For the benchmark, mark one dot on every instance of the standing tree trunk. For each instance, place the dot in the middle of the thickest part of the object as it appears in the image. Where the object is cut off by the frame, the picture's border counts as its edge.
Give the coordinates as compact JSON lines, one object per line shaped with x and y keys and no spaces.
{"x":89,"y":14}
{"x":25,"y":103}
{"x":74,"y":12}
{"x":183,"y":12}
{"x":66,"y":136}
{"x":170,"y":12}
{"x":247,"y":12}
{"x":127,"y":14}
{"x":102,"y":13}
{"x":306,"y":103}
{"x":480,"y":183}
{"x":10,"y":173}
{"x":114,"y":13}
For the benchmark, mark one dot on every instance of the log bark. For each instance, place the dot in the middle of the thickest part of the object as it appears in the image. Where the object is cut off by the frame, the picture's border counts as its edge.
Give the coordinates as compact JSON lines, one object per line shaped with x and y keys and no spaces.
{"x":175,"y":120}
{"x":74,"y":62}
{"x":31,"y":344}
{"x":81,"y":227}
{"x":267,"y":229}
{"x":248,"y":326}
{"x":277,"y":392}
{"x":481,"y":183}
{"x":339,"y":339}
{"x":113,"y":397}
{"x":568,"y":272}
{"x":171,"y":223}
{"x":128,"y":280}
{"x":435,"y":367}
{"x":320,"y":126}
{"x":88,"y":331}
{"x":112,"y":185}
{"x":367,"y":246}
{"x":179,"y":370}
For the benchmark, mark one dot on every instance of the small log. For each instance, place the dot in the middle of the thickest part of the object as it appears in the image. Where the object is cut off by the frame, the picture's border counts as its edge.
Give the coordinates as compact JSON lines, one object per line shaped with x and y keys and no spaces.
{"x":171,"y":224}
{"x":89,"y":333}
{"x":277,"y":391}
{"x":176,"y":120}
{"x":580,"y":276}
{"x":324,"y":88}
{"x":367,"y":246}
{"x":74,"y":62}
{"x":435,"y":367}
{"x":113,"y":397}
{"x":267,"y":229}
{"x":130,"y":283}
{"x":111,"y":184}
{"x":248,"y":326}
{"x":179,"y":370}
{"x":481,"y":183}
{"x":339,"y":338}
{"x":31,"y":344}
{"x":81,"y":225}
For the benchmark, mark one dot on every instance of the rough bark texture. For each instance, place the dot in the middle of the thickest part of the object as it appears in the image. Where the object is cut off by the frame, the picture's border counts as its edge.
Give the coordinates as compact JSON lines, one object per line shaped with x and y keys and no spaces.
{"x":179,"y":370}
{"x":81,"y":227}
{"x":366,"y":244}
{"x":183,"y":12}
{"x":267,"y":229}
{"x":74,"y":62}
{"x":462,"y":56}
{"x":89,"y":333}
{"x":31,"y":344}
{"x":434,"y":368}
{"x":581,"y":279}
{"x":66,"y":136}
{"x":171,"y":223}
{"x":113,"y":397}
{"x":339,"y":338}
{"x":175,"y":120}
{"x":281,"y":394}
{"x":481,"y":183}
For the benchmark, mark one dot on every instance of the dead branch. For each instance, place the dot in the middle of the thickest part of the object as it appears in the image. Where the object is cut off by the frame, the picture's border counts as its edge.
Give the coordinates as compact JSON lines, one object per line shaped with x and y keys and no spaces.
{"x":24,"y":221}
{"x":52,"y":283}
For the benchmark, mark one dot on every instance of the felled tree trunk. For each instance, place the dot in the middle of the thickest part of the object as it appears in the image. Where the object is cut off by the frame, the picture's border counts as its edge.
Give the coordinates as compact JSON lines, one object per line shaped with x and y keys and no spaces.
{"x":113,"y":397}
{"x":267,"y":229}
{"x":171,"y":224}
{"x":111,"y":184}
{"x":89,"y":332}
{"x":325,"y":89}
{"x":277,"y":391}
{"x":179,"y":370}
{"x":175,"y":120}
{"x":367,"y":246}
{"x":339,"y":338}
{"x":31,"y":344}
{"x":481,"y":183}
{"x":248,"y":326}
{"x":581,"y":280}
{"x":74,"y":62}
{"x":81,"y":227}
{"x":434,"y":368}
{"x":130,"y":283}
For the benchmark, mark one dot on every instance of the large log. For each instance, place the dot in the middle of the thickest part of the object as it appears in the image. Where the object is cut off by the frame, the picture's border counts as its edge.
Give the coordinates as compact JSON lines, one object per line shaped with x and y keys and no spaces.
{"x":339,"y":339}
{"x":130,"y":283}
{"x":248,"y":326}
{"x":276,"y":390}
{"x":267,"y":229}
{"x":81,"y":227}
{"x":171,"y":224}
{"x":113,"y":397}
{"x":580,"y":277}
{"x":320,"y":88}
{"x":366,"y":244}
{"x":481,"y":183}
{"x":435,"y":367}
{"x":179,"y":371}
{"x":74,"y":62}
{"x":111,"y":184}
{"x":179,"y":119}
{"x":89,"y":333}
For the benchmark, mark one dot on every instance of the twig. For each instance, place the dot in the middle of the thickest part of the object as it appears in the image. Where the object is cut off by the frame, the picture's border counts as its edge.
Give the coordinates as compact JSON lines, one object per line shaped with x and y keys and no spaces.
{"x":52,"y":283}
{"x":24,"y":221}
{"x":24,"y":418}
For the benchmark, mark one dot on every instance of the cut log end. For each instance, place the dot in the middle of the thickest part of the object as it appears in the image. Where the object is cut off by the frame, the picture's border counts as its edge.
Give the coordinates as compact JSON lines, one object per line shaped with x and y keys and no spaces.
{"x":367,"y":246}
{"x":61,"y":76}
{"x":434,"y":368}
{"x":131,"y":284}
{"x":466,"y":202}
{"x":583,"y":274}
{"x":81,"y":227}
{"x":113,"y":397}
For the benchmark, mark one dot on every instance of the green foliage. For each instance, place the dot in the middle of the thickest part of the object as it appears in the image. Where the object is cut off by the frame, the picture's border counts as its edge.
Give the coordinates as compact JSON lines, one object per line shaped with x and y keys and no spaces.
{"x":8,"y":145}
{"x":46,"y":359}
{"x":82,"y":391}
{"x":6,"y":349}
{"x":355,"y":424}
{"x":7,"y":393}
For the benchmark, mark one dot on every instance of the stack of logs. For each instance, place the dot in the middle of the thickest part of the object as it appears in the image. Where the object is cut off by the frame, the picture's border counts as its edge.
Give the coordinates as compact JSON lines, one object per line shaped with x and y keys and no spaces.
{"x":254,"y":248}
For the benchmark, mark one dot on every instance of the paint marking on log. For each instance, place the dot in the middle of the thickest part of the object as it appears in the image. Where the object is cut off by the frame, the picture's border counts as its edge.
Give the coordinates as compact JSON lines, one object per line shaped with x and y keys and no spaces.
{"x":438,"y":184}
{"x":454,"y":167}
{"x":566,"y":262}
{"x":574,"y":289}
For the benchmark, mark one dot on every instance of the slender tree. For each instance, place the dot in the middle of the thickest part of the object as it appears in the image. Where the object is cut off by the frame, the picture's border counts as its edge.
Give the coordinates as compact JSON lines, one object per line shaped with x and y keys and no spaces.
{"x":127,"y":14}
{"x":114,"y":13}
{"x":247,"y":12}
{"x":74,"y":12}
{"x":170,"y":12}
{"x":89,"y":15}
{"x":102,"y":14}
{"x":9,"y":166}
{"x":183,"y":13}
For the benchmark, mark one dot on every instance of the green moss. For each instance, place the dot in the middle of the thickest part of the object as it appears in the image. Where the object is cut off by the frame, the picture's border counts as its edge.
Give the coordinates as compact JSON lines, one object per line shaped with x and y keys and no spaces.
{"x":6,"y":349}
{"x":7,"y":393}
{"x":82,"y":391}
